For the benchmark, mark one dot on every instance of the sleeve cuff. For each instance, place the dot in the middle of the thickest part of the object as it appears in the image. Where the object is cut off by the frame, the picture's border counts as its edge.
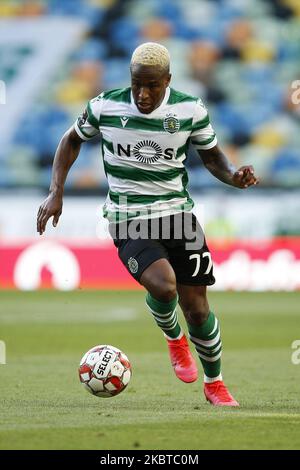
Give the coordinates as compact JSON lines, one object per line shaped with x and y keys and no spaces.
{"x":209,"y":146}
{"x":81,"y":135}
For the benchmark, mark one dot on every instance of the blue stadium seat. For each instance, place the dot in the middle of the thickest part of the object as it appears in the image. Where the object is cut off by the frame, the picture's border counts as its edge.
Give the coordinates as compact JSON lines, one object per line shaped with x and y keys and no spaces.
{"x":169,"y":10}
{"x":232,"y":118}
{"x":116,"y":73}
{"x":285,"y":169}
{"x":123,"y":30}
{"x":91,"y":50}
{"x":182,"y":30}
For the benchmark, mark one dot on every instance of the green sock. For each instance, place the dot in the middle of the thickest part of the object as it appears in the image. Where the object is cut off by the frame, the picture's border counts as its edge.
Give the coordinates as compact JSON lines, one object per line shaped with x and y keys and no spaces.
{"x":207,"y":341}
{"x":165,"y":315}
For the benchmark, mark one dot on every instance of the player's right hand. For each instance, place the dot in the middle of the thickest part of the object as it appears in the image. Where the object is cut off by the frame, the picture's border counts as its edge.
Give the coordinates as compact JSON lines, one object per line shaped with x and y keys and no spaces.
{"x":52,"y":206}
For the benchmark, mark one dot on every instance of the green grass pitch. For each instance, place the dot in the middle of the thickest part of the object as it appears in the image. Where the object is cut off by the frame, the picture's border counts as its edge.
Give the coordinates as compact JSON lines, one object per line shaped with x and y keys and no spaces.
{"x":43,"y":405}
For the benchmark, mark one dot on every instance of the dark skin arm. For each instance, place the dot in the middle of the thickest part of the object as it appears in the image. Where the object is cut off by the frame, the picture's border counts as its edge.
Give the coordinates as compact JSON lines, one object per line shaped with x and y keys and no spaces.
{"x":219,"y":166}
{"x":66,"y":154}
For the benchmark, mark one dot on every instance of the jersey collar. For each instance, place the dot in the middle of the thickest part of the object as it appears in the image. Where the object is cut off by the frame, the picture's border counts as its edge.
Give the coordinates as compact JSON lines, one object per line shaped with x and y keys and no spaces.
{"x":162,"y":104}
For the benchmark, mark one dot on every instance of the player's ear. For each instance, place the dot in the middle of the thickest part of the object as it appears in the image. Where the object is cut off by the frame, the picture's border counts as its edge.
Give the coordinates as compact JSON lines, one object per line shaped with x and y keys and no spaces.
{"x":169,"y":76}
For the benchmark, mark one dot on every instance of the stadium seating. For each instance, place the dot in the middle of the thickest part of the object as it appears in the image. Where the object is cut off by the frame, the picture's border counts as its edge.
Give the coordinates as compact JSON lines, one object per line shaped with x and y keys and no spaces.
{"x":240,"y":56}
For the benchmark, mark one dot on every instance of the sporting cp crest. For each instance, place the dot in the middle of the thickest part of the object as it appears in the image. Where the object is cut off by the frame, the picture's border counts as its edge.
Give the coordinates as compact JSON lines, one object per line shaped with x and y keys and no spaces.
{"x":133,"y":265}
{"x":171,"y":123}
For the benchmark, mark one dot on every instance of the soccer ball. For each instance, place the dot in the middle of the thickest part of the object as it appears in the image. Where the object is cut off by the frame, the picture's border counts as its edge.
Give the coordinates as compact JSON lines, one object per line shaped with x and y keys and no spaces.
{"x":104,"y":371}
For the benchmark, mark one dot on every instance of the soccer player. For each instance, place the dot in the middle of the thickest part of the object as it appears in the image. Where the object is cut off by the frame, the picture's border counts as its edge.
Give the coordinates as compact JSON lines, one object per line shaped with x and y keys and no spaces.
{"x":145,"y":132}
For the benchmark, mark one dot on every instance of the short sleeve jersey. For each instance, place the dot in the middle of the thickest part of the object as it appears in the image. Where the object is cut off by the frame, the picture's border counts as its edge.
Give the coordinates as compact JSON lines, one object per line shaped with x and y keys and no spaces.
{"x":144,"y":154}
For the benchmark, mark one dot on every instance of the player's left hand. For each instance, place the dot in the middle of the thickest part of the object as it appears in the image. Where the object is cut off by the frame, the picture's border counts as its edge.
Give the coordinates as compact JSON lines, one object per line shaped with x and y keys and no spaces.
{"x":244,"y":177}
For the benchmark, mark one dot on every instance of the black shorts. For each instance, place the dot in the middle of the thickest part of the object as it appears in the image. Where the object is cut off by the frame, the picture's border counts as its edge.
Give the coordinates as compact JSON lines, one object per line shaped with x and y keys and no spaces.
{"x":178,"y":238}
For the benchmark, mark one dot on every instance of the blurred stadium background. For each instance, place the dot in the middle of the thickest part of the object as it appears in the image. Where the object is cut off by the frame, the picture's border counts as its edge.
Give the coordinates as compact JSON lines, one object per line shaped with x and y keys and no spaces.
{"x":240,"y":56}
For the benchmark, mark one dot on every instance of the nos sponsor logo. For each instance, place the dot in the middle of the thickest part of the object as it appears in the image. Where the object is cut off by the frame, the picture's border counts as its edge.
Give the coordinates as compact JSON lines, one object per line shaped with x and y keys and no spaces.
{"x":146,"y":151}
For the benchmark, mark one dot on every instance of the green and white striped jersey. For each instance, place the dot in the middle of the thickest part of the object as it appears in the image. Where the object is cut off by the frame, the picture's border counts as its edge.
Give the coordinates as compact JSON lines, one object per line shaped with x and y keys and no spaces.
{"x":144,"y":154}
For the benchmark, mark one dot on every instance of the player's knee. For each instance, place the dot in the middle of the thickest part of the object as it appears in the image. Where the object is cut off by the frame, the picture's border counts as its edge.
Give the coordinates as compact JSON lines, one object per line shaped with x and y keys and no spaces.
{"x":163,"y":289}
{"x":160,"y":281}
{"x":168,"y":291}
{"x":196,"y":317}
{"x":162,"y":286}
{"x":196,"y":310}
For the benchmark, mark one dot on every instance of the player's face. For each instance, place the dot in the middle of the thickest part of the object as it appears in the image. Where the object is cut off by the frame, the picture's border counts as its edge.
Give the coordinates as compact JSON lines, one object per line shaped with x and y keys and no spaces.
{"x":148,"y":84}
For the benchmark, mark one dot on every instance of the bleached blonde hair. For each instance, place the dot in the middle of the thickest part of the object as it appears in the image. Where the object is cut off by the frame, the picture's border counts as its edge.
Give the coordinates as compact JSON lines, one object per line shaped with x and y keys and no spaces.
{"x":151,"y":53}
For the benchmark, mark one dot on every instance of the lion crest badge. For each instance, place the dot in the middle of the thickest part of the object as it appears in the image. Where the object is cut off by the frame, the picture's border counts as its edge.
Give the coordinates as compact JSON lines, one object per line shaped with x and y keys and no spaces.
{"x":171,"y":123}
{"x":133,"y":265}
